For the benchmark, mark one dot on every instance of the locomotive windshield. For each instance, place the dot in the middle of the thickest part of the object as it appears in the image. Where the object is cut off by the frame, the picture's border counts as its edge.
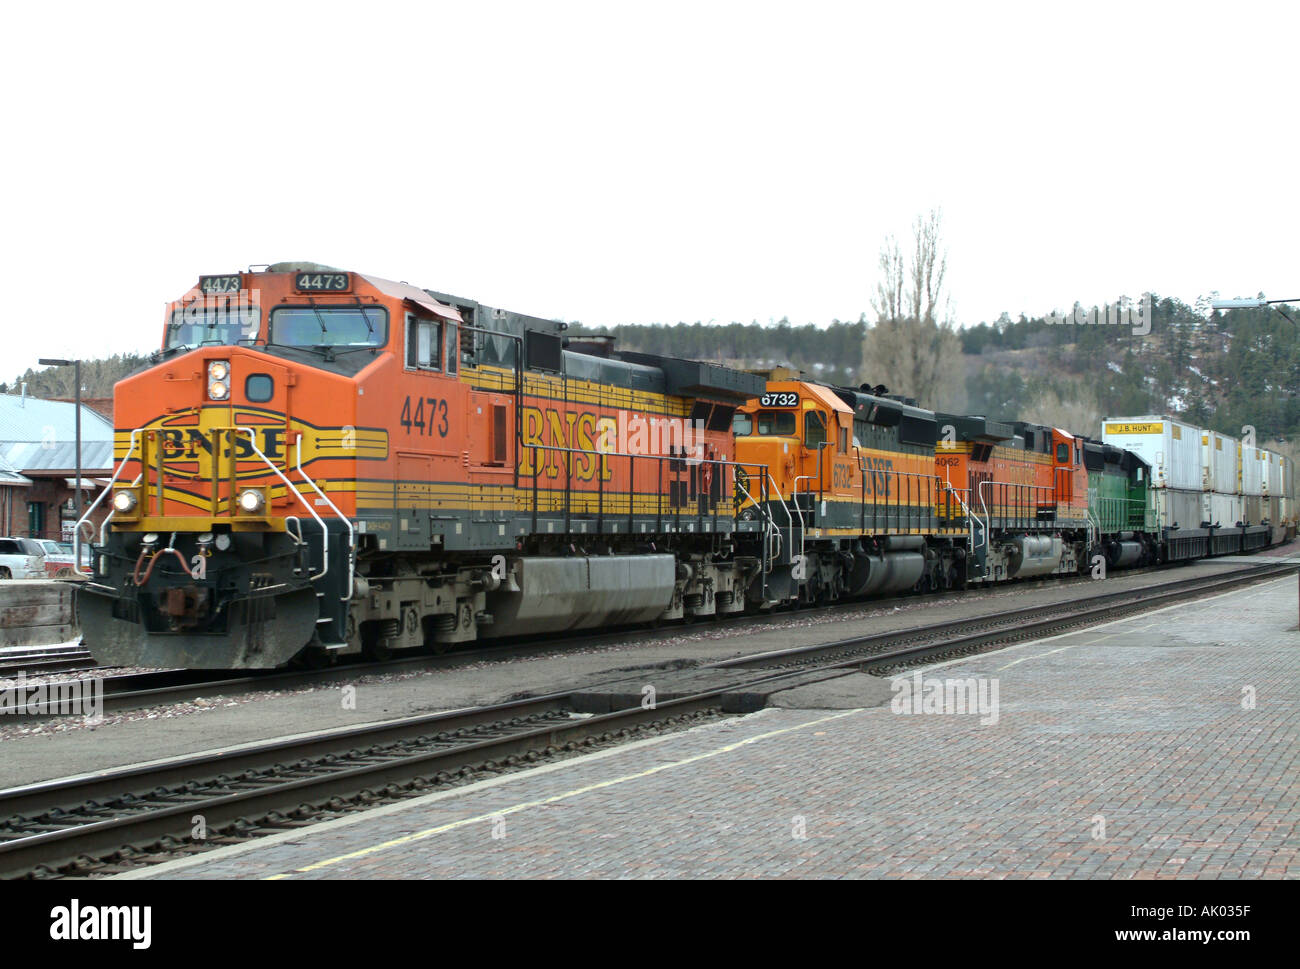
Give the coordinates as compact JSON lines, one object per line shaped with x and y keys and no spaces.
{"x":212,"y":321}
{"x":329,"y":326}
{"x":769,"y":423}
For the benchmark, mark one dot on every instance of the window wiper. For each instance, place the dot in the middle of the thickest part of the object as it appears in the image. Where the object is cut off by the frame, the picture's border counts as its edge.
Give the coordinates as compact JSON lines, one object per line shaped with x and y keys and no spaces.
{"x":365,"y":316}
{"x":319,"y":319}
{"x":296,"y":346}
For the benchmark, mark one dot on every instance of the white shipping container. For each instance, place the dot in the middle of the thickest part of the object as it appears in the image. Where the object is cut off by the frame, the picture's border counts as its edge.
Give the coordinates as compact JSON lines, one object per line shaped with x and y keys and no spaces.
{"x":1272,"y":473}
{"x":1221,"y":511}
{"x":1218,"y":463}
{"x":1172,"y":448}
{"x":1177,"y":508}
{"x":1252,"y":470}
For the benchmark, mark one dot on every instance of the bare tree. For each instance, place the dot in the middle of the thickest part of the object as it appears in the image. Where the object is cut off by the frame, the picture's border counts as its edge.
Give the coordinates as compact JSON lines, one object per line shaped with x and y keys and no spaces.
{"x":928,"y":267}
{"x":888,"y":301}
{"x":913,"y":349}
{"x":1068,"y":404}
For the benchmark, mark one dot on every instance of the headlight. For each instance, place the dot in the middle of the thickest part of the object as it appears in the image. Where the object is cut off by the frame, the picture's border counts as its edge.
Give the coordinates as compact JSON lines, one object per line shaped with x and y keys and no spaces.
{"x":251,"y":501}
{"x":124,"y":501}
{"x":218,"y":383}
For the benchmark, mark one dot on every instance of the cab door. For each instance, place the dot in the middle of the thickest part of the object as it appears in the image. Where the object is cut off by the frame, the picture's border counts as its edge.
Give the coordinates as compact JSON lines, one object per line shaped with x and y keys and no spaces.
{"x":432,"y":491}
{"x":1063,"y":468}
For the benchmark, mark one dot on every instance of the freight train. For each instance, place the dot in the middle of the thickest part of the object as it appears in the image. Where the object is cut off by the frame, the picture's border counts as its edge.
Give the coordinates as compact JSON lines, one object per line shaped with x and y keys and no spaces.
{"x":319,"y":463}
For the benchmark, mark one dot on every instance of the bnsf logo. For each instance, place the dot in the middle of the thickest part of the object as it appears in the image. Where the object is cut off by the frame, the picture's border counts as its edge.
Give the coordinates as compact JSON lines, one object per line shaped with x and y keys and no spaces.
{"x":878,"y":477}
{"x":194,"y":444}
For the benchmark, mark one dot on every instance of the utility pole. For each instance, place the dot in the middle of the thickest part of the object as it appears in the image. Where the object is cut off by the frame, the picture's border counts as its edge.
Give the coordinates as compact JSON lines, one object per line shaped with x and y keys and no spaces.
{"x":76,"y":365}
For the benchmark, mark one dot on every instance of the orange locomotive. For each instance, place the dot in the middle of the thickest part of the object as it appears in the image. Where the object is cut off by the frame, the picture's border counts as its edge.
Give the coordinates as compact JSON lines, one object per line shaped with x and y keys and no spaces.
{"x":321,"y":462}
{"x":870,"y":494}
{"x":1027,"y":490}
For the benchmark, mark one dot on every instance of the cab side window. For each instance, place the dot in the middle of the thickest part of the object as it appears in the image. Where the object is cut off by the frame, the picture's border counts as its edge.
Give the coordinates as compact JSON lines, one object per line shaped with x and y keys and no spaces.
{"x":814,"y":429}
{"x":451,"y":349}
{"x":423,"y":343}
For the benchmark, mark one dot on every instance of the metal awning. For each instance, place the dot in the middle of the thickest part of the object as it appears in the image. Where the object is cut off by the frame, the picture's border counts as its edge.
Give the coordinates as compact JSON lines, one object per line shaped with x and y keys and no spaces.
{"x":437,"y":309}
{"x":415,"y":295}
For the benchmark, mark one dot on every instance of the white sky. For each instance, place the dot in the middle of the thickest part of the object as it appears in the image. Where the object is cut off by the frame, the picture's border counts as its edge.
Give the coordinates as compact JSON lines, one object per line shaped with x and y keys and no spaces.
{"x":652,"y":163}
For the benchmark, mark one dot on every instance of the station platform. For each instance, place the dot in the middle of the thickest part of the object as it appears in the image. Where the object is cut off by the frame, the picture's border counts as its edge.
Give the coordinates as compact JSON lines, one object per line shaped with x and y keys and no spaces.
{"x":1166,"y":745}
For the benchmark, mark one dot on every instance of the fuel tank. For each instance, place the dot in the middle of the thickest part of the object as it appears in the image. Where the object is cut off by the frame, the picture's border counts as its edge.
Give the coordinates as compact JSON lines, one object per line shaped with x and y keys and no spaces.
{"x":1034,"y":555}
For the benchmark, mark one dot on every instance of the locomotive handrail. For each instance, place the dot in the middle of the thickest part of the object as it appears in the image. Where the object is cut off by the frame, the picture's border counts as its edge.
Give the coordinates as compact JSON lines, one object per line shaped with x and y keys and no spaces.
{"x":770,"y":522}
{"x":770,"y":529}
{"x":76,"y":531}
{"x":352,"y":546}
{"x":900,"y":476}
{"x":325,"y":544}
{"x":1022,"y":503}
{"x":599,"y":454}
{"x":970,"y":515}
{"x":803,"y":529}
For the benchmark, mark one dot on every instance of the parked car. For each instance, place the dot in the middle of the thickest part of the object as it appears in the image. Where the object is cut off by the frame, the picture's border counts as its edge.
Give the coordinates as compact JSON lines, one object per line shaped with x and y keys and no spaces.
{"x":59,"y":558}
{"x":21,"y":558}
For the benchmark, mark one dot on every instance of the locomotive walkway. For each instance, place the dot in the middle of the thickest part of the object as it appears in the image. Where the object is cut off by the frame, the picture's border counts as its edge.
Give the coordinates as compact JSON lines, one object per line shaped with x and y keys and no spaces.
{"x":1160,"y":746}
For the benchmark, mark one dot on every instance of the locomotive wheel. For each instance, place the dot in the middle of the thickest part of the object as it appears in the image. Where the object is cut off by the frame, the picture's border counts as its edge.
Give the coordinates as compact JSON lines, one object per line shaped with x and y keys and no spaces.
{"x":313,"y":656}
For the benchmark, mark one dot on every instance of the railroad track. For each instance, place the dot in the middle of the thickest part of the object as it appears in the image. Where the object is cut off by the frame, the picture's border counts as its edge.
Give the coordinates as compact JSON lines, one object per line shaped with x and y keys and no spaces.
{"x":45,"y":660}
{"x":133,"y":691}
{"x":119,"y":819}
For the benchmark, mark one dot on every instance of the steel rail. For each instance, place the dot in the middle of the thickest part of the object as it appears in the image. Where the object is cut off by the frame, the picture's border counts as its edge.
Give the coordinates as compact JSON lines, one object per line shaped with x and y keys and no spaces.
{"x":53,"y":823}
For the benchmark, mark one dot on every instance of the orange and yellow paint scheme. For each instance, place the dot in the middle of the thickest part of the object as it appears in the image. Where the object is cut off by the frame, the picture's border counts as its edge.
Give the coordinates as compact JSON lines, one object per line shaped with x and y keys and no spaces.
{"x":329,"y":435}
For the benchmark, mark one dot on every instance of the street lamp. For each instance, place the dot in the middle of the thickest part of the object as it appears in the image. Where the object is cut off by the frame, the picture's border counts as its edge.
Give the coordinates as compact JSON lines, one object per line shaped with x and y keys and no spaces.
{"x":1256,"y":303}
{"x":49,"y":362}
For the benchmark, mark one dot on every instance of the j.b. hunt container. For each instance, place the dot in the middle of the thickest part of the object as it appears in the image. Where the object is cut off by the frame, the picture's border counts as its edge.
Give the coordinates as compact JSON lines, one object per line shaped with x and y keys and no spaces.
{"x":1172,"y":448}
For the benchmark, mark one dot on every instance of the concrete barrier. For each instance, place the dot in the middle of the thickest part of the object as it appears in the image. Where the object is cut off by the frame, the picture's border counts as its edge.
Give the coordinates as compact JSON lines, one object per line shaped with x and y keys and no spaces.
{"x":36,"y":612}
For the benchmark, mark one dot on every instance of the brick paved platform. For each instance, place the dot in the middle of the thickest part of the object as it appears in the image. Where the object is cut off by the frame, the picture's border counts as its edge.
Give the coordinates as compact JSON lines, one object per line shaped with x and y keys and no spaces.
{"x":1162,"y":746}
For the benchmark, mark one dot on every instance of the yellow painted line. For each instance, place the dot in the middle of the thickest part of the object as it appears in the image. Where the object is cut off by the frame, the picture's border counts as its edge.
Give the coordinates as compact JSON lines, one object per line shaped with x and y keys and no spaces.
{"x":554,"y":798}
{"x":1263,"y":587}
{"x":1091,"y":642}
{"x":1177,"y":605}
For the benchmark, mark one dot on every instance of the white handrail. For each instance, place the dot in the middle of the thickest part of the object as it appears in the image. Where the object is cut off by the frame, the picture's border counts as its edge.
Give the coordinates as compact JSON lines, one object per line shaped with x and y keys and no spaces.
{"x":346,"y":521}
{"x":970,"y":515}
{"x":769,"y":529}
{"x":76,"y":532}
{"x":794,"y":497}
{"x":325,"y":547}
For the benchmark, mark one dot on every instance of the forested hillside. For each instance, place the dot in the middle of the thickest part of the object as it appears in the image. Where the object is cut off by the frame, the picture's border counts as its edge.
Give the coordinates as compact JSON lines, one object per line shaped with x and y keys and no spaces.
{"x":1218,"y":370}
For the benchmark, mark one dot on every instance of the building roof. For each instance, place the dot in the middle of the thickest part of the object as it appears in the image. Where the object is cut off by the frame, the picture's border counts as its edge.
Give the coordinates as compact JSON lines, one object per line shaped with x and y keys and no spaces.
{"x":40,"y":435}
{"x":9,"y":475}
